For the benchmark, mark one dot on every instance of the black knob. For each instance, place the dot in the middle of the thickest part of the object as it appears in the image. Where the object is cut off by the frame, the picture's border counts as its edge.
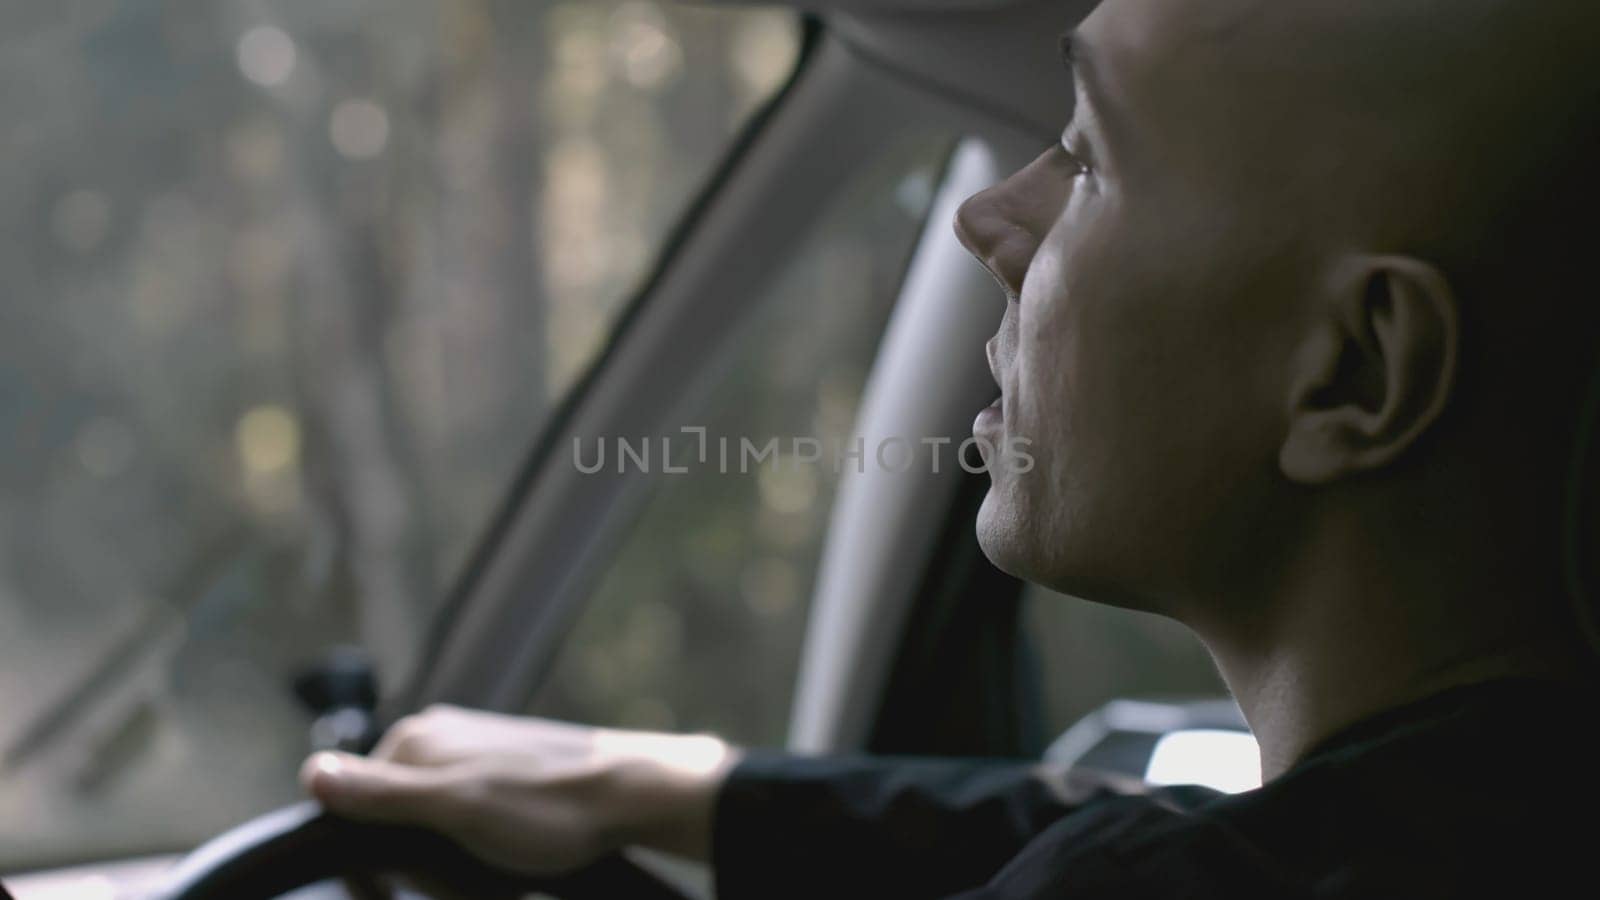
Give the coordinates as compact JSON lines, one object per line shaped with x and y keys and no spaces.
{"x":341,"y":691}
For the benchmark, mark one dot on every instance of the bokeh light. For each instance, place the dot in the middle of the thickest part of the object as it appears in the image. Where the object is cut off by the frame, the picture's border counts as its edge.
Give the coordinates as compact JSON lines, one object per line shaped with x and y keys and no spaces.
{"x":268,"y":440}
{"x":266,"y":55}
{"x":359,"y":129}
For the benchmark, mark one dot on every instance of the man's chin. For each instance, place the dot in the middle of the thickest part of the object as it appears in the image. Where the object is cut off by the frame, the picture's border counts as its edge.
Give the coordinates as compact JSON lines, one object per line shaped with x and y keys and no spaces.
{"x":1002,"y":537}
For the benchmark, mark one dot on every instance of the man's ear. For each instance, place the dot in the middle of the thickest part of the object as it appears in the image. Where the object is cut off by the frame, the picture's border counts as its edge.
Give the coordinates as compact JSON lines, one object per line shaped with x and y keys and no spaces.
{"x":1376,"y":370}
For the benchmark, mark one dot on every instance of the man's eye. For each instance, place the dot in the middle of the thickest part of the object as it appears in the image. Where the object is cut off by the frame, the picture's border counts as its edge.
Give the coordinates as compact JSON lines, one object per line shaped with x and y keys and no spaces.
{"x":1078,"y":161}
{"x":1074,"y":160}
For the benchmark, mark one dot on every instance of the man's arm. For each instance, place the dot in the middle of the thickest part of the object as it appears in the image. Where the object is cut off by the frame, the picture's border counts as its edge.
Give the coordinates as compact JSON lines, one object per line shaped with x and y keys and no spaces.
{"x":540,"y":797}
{"x":789,"y":826}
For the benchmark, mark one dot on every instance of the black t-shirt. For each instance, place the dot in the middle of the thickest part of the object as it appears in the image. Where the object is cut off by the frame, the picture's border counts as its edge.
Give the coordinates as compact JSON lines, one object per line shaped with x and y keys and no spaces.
{"x":1480,"y":791}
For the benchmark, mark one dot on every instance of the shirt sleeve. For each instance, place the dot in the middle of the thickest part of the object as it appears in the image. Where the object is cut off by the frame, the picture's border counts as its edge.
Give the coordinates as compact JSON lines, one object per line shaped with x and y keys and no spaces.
{"x":799,"y":827}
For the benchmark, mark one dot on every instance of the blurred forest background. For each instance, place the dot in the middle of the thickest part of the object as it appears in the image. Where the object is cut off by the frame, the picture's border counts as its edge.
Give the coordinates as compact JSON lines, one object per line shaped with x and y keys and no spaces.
{"x":289,"y":288}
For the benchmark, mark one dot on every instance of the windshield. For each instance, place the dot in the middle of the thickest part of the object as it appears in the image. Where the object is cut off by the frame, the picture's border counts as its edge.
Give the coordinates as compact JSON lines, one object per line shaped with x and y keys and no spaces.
{"x":290,"y":288}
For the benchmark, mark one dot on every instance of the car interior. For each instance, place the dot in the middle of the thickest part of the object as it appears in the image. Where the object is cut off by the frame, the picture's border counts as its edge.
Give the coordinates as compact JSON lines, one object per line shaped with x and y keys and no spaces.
{"x":787,"y":274}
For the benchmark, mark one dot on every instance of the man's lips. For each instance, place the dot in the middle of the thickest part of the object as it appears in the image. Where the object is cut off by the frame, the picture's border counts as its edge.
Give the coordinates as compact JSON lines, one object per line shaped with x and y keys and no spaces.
{"x":998,"y":364}
{"x":991,"y":420}
{"x":992,"y":417}
{"x":996,"y":367}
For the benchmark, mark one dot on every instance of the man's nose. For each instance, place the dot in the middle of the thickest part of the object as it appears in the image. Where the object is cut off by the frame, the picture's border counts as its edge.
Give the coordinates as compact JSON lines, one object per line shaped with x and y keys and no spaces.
{"x":1004,"y":225}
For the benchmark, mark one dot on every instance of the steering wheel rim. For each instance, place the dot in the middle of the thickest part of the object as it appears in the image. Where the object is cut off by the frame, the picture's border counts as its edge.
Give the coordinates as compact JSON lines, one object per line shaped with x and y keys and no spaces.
{"x":301,"y":845}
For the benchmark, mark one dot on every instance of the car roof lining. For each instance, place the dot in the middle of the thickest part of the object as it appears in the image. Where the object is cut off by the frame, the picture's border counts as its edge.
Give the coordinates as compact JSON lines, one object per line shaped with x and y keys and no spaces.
{"x":997,"y":56}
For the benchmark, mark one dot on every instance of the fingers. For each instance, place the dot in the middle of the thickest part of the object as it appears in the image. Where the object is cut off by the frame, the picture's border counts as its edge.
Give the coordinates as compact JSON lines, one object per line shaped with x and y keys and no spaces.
{"x":373,"y":790}
{"x":406,"y":741}
{"x":384,"y":792}
{"x":437,"y":736}
{"x":447,"y":735}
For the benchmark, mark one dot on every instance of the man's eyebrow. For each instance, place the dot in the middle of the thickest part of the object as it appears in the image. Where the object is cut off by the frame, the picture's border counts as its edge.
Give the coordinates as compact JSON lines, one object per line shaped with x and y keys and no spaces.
{"x":1069,"y":42}
{"x":1080,"y":62}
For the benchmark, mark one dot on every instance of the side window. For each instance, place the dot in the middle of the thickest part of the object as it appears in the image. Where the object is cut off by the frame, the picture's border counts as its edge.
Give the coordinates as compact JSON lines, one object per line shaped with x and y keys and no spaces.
{"x":1088,"y":654}
{"x":290,"y":288}
{"x":698,"y":622}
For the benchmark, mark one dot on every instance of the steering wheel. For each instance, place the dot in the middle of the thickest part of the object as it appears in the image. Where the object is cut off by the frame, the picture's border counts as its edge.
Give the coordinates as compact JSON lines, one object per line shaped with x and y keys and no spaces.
{"x":301,"y":845}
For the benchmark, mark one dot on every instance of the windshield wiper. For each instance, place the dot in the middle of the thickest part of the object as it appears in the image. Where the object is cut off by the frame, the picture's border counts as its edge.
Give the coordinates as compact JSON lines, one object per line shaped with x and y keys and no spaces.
{"x":148,"y":637}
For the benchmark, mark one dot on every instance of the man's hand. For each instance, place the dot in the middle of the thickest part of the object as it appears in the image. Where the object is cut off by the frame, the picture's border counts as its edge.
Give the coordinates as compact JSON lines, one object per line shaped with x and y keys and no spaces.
{"x":530,"y":795}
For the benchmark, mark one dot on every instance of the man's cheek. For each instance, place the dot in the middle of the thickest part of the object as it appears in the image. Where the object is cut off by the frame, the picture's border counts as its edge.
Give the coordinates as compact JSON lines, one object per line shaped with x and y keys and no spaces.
{"x":1040,"y":442}
{"x":1028,"y":409}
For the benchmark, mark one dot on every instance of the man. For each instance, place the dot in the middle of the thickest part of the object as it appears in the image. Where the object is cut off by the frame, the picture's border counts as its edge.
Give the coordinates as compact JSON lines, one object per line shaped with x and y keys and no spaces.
{"x":1298,"y":329}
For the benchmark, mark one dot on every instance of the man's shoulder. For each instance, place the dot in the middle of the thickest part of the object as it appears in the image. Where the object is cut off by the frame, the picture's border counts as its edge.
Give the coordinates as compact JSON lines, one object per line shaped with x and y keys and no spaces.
{"x":1169,"y":843}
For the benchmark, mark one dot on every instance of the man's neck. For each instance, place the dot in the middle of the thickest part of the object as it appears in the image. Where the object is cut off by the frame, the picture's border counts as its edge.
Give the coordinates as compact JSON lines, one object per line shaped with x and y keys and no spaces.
{"x":1293,"y":704}
{"x":1345,"y":647}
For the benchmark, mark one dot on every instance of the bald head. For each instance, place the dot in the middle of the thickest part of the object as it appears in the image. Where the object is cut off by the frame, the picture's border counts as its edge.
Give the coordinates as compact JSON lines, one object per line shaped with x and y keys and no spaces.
{"x":1435,"y":121}
{"x":1294,"y":260}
